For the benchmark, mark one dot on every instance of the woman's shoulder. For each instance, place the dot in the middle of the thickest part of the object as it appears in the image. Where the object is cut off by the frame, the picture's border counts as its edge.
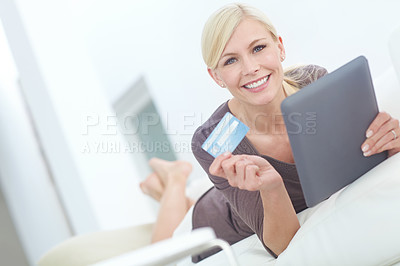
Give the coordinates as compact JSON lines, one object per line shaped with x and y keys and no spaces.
{"x":305,"y":74}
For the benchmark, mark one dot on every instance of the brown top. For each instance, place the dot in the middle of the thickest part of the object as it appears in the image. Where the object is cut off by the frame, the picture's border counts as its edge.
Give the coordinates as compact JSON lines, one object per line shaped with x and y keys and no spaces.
{"x":235,"y":214}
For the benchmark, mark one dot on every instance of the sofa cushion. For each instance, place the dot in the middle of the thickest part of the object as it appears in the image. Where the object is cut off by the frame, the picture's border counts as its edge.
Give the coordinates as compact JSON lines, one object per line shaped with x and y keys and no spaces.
{"x":359,"y":225}
{"x":94,"y":247}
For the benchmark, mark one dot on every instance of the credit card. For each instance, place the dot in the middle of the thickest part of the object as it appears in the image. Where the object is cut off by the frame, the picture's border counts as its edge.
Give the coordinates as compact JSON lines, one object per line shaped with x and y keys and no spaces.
{"x":226,"y":136}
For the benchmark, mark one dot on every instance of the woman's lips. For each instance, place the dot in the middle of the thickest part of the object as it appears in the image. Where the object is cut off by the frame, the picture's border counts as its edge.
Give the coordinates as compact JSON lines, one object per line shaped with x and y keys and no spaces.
{"x":258,"y":85}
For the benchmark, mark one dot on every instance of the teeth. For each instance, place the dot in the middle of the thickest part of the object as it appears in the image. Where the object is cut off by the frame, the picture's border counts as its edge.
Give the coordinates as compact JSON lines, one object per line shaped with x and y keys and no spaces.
{"x":257,"y":83}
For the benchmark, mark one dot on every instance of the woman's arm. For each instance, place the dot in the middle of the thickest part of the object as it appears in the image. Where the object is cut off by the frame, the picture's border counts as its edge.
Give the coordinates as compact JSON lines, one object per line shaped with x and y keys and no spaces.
{"x":253,"y":173}
{"x":280,"y":220}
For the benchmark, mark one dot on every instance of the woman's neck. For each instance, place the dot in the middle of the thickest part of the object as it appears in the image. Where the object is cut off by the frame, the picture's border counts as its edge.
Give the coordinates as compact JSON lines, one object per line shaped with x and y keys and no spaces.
{"x":261,"y":119}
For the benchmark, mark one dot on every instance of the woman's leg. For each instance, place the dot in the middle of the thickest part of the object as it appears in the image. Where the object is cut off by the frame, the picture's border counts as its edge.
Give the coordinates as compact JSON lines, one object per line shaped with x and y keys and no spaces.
{"x":168,"y":185}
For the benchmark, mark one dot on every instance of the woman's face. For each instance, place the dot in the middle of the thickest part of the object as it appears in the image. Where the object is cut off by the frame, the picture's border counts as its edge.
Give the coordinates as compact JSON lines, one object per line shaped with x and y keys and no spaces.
{"x":250,"y":65}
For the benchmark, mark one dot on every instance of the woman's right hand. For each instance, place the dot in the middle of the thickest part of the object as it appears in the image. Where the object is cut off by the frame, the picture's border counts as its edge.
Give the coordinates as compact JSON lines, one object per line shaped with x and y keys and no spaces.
{"x":248,"y":172}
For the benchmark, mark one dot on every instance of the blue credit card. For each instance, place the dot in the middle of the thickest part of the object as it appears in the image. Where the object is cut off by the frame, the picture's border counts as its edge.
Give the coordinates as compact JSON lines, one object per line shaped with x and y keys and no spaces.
{"x":226,"y":136}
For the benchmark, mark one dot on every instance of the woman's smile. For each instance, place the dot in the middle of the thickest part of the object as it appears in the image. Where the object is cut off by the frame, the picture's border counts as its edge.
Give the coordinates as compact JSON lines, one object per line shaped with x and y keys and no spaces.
{"x":257,"y":85}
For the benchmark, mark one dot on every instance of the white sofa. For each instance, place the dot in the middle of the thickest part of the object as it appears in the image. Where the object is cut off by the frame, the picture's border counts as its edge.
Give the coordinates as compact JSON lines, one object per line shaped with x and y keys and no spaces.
{"x":359,"y":225}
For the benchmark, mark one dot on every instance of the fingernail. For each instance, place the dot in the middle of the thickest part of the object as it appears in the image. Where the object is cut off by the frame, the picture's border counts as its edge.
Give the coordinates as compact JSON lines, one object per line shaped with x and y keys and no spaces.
{"x":367,"y":153}
{"x":369,"y":133}
{"x":365,"y":148}
{"x":226,"y":153}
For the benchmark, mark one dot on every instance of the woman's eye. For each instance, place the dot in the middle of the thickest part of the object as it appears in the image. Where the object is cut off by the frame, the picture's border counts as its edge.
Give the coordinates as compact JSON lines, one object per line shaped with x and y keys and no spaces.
{"x":258,"y":48}
{"x":230,"y":61}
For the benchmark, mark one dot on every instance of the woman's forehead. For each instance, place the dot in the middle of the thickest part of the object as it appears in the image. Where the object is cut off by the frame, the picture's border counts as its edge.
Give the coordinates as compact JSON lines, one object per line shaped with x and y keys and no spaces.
{"x":246,"y":33}
{"x":250,"y":26}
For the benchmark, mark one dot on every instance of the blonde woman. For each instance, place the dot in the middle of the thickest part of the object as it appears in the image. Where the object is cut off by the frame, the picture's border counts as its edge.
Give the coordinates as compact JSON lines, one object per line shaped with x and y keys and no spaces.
{"x":256,"y":189}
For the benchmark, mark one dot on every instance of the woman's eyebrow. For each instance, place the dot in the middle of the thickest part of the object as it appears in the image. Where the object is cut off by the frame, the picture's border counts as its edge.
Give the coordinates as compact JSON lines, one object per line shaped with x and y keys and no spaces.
{"x":228,"y":54}
{"x":250,"y":45}
{"x":255,"y":41}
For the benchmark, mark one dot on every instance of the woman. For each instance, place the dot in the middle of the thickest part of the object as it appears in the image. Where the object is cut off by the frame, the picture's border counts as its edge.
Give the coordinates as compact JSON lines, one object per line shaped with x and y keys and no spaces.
{"x":256,"y":189}
{"x":259,"y":184}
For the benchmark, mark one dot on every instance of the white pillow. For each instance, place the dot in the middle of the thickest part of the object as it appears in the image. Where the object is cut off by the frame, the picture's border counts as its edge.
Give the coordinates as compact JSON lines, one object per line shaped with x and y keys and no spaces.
{"x":359,"y":225}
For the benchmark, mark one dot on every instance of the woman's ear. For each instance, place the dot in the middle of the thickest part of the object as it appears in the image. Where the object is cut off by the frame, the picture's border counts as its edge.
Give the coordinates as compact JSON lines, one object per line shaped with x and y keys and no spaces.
{"x":216,"y":78}
{"x":281,"y":48}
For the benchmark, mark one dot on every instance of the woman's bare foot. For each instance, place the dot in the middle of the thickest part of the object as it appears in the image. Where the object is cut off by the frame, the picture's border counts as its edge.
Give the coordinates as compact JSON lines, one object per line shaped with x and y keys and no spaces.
{"x":152,"y":186}
{"x":171,"y":171}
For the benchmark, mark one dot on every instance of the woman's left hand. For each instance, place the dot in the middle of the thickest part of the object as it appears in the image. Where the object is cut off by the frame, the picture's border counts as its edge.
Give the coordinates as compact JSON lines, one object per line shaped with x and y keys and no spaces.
{"x":382,"y":135}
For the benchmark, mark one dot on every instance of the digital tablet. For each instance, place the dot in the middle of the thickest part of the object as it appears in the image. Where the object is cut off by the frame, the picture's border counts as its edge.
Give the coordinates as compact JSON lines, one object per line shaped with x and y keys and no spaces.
{"x":326,"y":122}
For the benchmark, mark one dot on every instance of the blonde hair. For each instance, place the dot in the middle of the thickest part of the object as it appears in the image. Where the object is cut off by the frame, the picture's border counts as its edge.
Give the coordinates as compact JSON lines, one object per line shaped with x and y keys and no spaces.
{"x":298,"y":76}
{"x":219,"y":28}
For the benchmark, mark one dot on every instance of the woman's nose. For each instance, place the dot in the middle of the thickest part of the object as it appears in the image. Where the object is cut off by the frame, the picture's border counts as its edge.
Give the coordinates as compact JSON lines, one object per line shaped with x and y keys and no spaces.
{"x":250,"y":66}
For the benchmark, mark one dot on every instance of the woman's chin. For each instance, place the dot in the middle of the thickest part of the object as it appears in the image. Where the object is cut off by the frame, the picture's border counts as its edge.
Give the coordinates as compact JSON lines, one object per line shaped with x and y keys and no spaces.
{"x":265,"y":99}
